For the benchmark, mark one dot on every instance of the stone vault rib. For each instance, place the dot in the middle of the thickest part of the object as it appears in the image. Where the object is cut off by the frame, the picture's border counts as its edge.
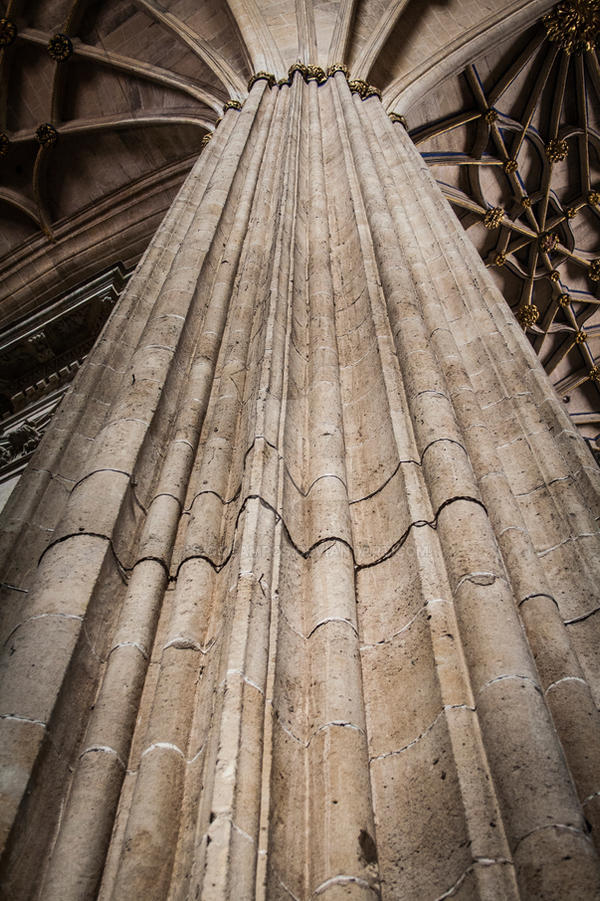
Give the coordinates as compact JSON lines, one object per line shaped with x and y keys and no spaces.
{"x":245,"y":693}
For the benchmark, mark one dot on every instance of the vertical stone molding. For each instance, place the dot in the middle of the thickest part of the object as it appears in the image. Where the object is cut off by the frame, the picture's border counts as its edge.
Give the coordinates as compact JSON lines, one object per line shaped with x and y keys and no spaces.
{"x":301,"y":586}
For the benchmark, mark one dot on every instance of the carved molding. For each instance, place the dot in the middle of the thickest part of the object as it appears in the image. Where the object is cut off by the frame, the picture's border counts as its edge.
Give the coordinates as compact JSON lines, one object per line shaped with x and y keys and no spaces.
{"x":574,"y":25}
{"x":44,"y":351}
{"x":8,"y":32}
{"x":60,"y":48}
{"x":46,"y":134}
{"x":320,"y":75}
{"x":18,"y":442}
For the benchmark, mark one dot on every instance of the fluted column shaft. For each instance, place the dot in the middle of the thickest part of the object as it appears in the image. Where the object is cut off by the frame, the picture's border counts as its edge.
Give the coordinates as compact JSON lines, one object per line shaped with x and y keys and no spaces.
{"x":307,"y":607}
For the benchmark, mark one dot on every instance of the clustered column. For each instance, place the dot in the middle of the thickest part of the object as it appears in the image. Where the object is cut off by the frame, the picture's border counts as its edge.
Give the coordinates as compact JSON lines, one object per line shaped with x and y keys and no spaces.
{"x":300,"y":586}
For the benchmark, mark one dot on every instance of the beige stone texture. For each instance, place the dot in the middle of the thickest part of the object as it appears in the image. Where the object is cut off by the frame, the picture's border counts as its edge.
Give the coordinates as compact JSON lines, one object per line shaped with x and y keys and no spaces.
{"x":306,"y":604}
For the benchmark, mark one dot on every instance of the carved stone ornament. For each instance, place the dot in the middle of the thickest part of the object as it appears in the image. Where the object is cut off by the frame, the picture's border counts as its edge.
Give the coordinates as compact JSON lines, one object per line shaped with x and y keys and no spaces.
{"x":262,"y":76}
{"x":8,"y":32}
{"x":46,"y":135}
{"x":364,"y":89}
{"x":396,"y":117}
{"x":372,"y":91}
{"x":357,"y":86}
{"x":4,"y":144}
{"x":207,"y":137}
{"x":557,"y":150}
{"x":232,"y":104}
{"x":564,"y":300}
{"x":338,"y":67}
{"x":309,"y":73}
{"x":315,"y":73}
{"x":548,"y":243}
{"x":528,"y":315}
{"x":574,"y":25}
{"x":493,"y":217}
{"x":510,"y":166}
{"x":296,"y":67}
{"x":594,"y":270}
{"x":60,"y":48}
{"x":580,"y":337}
{"x":19,"y":442}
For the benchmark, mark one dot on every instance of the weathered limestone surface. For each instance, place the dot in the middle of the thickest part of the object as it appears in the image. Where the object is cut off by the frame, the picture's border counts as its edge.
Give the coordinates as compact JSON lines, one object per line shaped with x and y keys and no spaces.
{"x":301,"y":588}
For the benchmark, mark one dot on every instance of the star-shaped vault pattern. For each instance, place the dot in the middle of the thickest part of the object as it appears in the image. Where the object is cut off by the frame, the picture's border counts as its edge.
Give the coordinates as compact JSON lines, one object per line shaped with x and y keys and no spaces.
{"x":520,"y":164}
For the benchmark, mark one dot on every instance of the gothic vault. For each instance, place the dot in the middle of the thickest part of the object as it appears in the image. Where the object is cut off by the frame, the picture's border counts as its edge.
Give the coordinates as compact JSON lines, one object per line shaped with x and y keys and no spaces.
{"x":301,"y":585}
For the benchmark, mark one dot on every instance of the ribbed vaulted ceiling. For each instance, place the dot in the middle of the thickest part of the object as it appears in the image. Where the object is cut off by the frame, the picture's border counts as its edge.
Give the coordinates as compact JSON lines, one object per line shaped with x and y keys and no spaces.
{"x":142,"y":82}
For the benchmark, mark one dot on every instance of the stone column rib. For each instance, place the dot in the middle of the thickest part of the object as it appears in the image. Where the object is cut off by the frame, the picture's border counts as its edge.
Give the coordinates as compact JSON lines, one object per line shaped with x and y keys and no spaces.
{"x":341,"y":31}
{"x":271,"y":424}
{"x":285,"y":822}
{"x":340,"y":809}
{"x":87,"y":821}
{"x":376,"y":41}
{"x":233,"y":789}
{"x":258,"y":39}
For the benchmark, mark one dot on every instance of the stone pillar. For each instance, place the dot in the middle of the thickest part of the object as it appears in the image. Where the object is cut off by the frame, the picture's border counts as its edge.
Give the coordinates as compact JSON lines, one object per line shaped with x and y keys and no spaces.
{"x":301,"y":586}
